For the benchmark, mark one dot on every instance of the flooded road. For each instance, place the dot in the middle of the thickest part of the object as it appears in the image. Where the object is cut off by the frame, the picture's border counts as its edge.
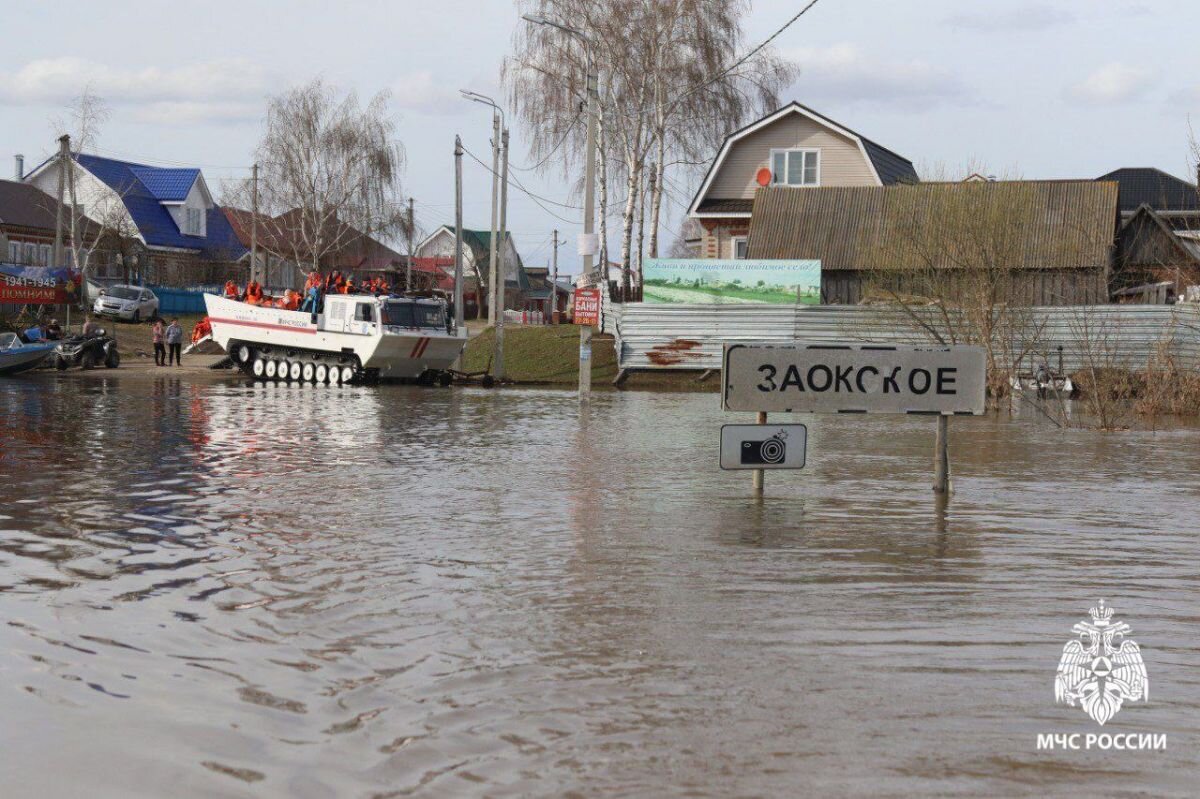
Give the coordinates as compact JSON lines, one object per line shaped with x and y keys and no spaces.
{"x":226,"y":590}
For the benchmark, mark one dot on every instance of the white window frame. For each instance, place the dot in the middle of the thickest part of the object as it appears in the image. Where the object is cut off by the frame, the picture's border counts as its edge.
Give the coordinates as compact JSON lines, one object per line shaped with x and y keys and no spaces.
{"x":733,"y":246}
{"x":788,"y":151}
{"x":14,"y":252}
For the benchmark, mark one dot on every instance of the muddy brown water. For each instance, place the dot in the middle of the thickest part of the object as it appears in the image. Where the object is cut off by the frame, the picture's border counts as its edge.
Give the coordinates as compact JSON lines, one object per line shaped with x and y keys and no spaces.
{"x":231,"y":590}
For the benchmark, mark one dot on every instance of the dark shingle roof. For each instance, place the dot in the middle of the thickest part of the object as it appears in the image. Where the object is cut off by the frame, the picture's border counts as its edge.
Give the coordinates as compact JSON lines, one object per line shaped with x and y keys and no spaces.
{"x":1052,"y":224}
{"x":1149,"y":186}
{"x":725,"y":206}
{"x":24,"y":205}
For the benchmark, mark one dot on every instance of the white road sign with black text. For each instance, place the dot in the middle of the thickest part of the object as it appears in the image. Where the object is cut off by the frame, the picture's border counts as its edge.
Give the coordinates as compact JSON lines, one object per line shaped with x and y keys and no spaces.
{"x":854,"y":378}
{"x":763,"y":446}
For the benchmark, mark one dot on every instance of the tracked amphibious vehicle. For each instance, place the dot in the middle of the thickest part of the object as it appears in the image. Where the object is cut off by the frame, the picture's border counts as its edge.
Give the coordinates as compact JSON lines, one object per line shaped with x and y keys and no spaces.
{"x":354,"y":338}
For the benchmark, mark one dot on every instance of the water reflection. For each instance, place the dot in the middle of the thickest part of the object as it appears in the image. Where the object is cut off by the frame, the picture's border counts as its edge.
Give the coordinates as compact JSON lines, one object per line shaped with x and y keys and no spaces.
{"x":346,"y":591}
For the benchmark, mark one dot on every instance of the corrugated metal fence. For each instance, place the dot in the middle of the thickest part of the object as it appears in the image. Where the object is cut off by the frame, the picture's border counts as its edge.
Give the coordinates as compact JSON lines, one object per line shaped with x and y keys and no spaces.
{"x":651,"y":336}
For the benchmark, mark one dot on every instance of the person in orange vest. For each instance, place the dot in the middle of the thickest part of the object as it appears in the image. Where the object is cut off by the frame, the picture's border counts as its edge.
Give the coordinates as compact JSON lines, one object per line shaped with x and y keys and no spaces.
{"x":291,"y":300}
{"x":253,"y":293}
{"x":332,"y":282}
{"x":348,"y":286}
{"x":231,"y":290}
{"x":203,"y":328}
{"x":384,"y":288}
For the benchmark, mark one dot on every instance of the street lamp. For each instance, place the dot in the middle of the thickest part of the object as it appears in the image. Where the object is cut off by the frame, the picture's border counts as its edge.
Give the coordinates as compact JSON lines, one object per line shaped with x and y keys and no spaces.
{"x":496,"y":271}
{"x":587,"y":243}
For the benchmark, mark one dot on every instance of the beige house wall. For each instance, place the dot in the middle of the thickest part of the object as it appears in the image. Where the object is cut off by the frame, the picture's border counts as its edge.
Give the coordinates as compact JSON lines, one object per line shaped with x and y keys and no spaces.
{"x":842,"y":163}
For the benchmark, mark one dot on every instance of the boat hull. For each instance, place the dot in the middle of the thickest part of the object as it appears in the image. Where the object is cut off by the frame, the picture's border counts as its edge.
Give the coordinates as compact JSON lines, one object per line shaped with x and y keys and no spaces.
{"x":21,"y":359}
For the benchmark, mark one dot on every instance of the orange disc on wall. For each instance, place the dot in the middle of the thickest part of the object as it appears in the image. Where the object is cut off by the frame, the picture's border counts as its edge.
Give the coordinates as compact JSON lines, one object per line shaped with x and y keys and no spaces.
{"x":763,"y":177}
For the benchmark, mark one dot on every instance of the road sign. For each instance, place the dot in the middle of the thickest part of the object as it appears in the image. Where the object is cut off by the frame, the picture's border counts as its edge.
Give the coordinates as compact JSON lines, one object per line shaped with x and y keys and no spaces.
{"x":586,"y":310}
{"x":854,"y":378}
{"x":763,"y":446}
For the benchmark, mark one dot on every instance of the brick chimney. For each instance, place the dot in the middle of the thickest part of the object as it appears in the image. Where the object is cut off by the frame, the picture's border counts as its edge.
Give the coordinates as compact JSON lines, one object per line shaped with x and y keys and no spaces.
{"x":20,"y":171}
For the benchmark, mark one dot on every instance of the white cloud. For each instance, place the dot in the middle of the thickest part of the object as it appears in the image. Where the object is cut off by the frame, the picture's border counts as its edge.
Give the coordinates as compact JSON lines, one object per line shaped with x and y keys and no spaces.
{"x":1020,"y":18}
{"x":215,"y":91}
{"x":844,"y":74}
{"x":1112,"y":83}
{"x":420,"y":92}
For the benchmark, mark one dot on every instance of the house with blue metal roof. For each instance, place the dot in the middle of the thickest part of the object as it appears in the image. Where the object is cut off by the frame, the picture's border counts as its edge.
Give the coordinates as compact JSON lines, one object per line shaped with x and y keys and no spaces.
{"x":184,"y":237}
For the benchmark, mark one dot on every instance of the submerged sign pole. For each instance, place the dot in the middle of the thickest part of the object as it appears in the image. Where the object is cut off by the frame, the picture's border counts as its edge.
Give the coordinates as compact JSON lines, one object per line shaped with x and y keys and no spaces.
{"x":941,"y":457}
{"x":760,"y":475}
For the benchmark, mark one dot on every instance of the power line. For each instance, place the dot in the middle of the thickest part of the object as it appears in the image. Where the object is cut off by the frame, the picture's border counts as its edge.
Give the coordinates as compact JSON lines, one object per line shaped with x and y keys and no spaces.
{"x":553,"y":149}
{"x":532,"y":196}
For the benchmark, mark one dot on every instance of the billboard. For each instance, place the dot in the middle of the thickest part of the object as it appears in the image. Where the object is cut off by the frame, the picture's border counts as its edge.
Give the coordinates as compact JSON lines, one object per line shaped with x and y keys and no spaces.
{"x":38,"y":285}
{"x":717,"y":281}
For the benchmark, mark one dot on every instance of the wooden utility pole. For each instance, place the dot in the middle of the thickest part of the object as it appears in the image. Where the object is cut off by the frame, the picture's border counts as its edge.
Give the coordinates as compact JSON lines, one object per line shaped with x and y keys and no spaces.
{"x":64,"y":161}
{"x":458,"y":243}
{"x":254,"y":223}
{"x":412,"y":235}
{"x":553,"y":318}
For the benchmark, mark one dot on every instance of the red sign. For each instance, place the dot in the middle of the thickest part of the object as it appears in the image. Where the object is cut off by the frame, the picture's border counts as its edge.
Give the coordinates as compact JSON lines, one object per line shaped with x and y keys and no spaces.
{"x":38,"y":286}
{"x":587,"y":307}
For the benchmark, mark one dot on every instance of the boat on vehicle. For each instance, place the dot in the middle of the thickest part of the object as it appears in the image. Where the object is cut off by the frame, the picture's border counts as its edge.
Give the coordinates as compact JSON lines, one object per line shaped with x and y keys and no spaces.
{"x":18,"y":356}
{"x":353,"y":338}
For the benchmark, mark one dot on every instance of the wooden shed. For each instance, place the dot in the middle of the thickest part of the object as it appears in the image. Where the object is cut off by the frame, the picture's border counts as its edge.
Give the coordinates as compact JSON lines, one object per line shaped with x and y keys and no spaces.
{"x":1054,"y":241}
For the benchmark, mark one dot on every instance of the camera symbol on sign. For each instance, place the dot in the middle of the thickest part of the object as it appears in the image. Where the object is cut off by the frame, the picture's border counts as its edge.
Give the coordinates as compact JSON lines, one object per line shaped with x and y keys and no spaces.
{"x":768,"y":453}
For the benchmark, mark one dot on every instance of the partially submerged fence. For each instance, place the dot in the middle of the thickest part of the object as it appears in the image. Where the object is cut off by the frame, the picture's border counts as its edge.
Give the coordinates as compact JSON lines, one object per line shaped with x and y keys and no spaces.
{"x":654,"y":336}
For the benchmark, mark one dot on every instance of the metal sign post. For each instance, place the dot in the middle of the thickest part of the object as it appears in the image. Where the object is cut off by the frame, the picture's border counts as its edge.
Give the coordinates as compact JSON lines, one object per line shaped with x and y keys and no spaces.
{"x":585,"y":313}
{"x":859,"y":378}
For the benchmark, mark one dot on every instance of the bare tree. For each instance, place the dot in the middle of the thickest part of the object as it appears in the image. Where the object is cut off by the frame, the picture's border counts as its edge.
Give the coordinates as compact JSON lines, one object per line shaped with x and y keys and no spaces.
{"x":666,"y":90}
{"x":329,"y":171}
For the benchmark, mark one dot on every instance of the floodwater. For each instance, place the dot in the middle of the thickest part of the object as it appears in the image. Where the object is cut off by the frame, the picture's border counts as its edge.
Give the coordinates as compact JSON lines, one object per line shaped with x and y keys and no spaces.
{"x":231,"y":590}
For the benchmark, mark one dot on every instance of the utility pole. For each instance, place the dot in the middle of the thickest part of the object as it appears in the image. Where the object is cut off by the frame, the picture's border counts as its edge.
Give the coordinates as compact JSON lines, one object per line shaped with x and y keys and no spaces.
{"x":254,"y":223}
{"x":589,"y":222}
{"x":503,"y":244}
{"x":553,"y":318}
{"x":64,"y":159}
{"x":412,"y":235}
{"x":458,"y":245}
{"x":495,"y":193}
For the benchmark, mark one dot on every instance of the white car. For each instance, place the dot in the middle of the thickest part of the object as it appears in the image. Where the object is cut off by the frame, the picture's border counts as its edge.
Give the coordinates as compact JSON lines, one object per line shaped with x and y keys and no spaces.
{"x":132,"y":303}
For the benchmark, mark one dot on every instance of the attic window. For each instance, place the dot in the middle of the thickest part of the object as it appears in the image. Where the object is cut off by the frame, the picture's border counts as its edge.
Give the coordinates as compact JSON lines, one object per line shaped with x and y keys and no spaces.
{"x":194,"y":222}
{"x":796,"y":167}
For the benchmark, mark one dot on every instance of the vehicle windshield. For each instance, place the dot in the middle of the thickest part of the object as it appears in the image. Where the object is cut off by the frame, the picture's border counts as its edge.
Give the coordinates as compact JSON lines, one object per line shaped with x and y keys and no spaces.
{"x":8,"y":340}
{"x":124,"y":293}
{"x":407,"y":314}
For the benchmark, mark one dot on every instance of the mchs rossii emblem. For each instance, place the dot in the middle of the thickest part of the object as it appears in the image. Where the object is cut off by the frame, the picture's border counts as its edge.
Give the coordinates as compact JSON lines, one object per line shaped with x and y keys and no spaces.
{"x":1098,"y":674}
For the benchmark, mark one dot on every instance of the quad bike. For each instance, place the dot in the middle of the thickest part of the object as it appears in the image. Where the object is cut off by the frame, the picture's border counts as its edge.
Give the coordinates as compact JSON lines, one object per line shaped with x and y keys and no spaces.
{"x":87,"y":352}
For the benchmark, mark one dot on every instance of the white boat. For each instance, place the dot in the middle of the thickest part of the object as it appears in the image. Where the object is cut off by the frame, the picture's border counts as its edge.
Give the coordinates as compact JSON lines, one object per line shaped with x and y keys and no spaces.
{"x":356,"y":337}
{"x":17,"y":356}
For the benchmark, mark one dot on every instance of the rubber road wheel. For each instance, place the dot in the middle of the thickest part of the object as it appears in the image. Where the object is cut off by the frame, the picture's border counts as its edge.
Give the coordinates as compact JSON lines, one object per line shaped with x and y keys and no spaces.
{"x":269,"y":370}
{"x":88,"y":361}
{"x":348,"y":373}
{"x":308,"y":373}
{"x":137,"y":315}
{"x":258,"y":368}
{"x":295,"y":370}
{"x":321,"y":373}
{"x":113,"y":359}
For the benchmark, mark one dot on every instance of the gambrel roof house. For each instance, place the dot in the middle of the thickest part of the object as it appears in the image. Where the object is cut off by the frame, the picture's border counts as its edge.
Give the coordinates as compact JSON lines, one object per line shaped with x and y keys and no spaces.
{"x":168,"y":209}
{"x":796,"y":147}
{"x":1175,"y":200}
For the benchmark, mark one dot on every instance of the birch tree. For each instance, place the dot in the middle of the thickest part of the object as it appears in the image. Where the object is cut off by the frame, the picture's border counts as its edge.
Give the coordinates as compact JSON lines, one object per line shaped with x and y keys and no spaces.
{"x":667,"y":90}
{"x":329,"y":172}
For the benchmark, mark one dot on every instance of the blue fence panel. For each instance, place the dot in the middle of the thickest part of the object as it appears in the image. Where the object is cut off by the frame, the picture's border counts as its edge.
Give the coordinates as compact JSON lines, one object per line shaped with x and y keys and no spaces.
{"x":179,"y":301}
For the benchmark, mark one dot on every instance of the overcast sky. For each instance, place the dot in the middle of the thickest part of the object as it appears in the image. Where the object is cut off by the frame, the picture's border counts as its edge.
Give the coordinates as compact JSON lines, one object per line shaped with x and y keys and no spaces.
{"x":1070,"y":88}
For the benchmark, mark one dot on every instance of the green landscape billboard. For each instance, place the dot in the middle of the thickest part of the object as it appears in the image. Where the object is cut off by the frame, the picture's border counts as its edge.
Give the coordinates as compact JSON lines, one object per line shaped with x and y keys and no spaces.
{"x":711,"y":280}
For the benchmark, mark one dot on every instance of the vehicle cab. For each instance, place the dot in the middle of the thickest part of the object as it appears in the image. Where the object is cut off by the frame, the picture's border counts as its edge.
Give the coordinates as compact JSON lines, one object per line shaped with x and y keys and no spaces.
{"x":365,"y":315}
